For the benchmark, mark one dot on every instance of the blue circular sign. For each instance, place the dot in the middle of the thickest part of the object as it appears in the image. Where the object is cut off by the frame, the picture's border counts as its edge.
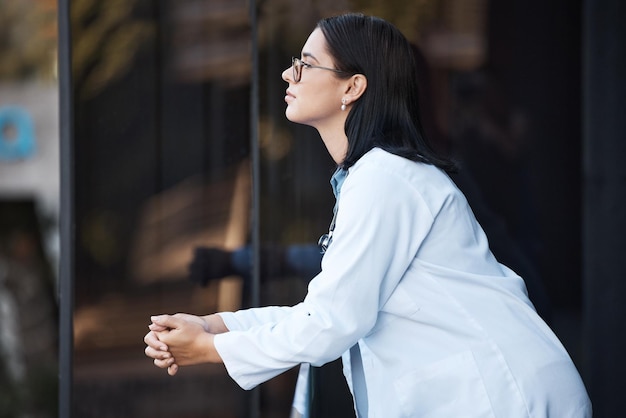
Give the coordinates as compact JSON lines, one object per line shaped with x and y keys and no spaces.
{"x":17,"y":134}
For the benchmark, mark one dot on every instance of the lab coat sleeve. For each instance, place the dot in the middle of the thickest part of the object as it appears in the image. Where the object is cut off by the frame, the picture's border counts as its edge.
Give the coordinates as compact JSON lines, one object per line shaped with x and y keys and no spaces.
{"x":381,"y":223}
{"x":253,"y":317}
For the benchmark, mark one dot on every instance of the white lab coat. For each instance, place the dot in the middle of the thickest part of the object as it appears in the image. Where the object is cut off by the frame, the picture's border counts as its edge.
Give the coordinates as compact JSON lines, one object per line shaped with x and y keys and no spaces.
{"x":409,"y":286}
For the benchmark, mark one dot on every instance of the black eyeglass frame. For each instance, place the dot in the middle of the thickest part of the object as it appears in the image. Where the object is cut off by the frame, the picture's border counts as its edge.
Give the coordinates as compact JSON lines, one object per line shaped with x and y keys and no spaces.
{"x":297,"y":65}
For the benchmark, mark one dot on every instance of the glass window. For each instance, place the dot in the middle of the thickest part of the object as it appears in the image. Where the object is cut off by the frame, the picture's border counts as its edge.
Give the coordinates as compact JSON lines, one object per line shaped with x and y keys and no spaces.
{"x":162,"y":172}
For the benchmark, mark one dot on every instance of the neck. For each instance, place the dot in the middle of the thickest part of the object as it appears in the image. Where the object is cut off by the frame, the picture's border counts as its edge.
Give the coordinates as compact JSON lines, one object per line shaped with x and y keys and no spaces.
{"x":336,"y":144}
{"x":335,"y":140}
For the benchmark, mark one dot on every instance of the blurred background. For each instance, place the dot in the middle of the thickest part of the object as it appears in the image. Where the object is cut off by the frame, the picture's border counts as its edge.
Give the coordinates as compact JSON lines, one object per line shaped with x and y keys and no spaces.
{"x":146,"y":167}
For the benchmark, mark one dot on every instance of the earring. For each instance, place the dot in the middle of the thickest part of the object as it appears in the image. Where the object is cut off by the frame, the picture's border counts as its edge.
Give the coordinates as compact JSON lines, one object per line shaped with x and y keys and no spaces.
{"x":343,"y":104}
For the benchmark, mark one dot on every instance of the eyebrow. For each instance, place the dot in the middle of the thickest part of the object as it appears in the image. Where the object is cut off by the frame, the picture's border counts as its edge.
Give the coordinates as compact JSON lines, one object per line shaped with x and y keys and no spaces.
{"x":309,"y":55}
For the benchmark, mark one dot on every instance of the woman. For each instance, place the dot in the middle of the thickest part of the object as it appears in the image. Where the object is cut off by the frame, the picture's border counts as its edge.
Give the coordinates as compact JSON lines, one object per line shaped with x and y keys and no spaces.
{"x":427,"y":322}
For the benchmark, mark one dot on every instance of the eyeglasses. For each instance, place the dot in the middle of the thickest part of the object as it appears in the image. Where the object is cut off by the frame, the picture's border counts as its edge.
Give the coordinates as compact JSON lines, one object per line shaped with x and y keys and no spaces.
{"x":297,"y":64}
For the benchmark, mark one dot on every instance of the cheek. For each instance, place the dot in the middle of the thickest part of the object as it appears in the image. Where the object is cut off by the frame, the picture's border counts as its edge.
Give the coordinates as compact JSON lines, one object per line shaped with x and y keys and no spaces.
{"x":312,"y":107}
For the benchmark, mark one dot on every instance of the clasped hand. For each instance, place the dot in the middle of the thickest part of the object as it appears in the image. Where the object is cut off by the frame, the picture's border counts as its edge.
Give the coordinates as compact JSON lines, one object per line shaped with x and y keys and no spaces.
{"x":182,"y":339}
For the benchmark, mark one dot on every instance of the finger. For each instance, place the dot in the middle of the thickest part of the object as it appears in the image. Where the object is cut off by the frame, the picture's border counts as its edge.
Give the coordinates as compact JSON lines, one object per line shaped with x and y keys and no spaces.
{"x":157,"y":354}
{"x":173,"y":369}
{"x":152,"y":340}
{"x":157,"y":328}
{"x":167,"y":321}
{"x":163,"y":364}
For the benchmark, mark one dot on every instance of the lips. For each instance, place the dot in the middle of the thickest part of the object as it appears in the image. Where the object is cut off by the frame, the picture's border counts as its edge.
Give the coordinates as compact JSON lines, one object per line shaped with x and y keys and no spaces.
{"x":289,"y":96}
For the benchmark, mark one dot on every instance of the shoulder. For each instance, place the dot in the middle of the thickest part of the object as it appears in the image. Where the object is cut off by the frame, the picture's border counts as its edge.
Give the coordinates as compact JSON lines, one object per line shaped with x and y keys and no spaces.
{"x":390,"y":174}
{"x":386,"y":163}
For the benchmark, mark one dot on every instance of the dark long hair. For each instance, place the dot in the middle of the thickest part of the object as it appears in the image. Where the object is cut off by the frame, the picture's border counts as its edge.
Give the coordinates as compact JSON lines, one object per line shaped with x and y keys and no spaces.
{"x":387,"y":115}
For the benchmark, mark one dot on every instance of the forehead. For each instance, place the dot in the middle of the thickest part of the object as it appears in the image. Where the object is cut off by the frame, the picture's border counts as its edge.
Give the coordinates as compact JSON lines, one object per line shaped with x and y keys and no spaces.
{"x":315,"y":46}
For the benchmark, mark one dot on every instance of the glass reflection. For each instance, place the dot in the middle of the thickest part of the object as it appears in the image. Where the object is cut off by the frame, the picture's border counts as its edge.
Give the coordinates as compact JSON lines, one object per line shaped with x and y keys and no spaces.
{"x":162,"y":160}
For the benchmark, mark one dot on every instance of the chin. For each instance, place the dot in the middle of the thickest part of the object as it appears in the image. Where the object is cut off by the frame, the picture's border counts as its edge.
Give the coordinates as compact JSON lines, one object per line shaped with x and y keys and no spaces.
{"x":291,"y":116}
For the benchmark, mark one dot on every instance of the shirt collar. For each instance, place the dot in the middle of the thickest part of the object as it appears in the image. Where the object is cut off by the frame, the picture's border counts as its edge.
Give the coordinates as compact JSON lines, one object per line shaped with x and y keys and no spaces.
{"x":336,"y":181}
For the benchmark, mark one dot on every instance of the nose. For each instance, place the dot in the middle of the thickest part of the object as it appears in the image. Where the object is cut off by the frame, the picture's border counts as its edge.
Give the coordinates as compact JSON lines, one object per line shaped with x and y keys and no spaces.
{"x":287,"y":75}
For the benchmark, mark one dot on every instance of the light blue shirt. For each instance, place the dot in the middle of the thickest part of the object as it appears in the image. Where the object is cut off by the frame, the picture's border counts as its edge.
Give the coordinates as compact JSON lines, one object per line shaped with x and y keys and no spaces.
{"x":442,"y":329}
{"x":336,"y":181}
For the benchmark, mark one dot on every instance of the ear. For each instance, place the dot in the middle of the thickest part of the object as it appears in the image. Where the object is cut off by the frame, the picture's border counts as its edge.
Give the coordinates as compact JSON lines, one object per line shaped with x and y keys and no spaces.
{"x":355,"y":87}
